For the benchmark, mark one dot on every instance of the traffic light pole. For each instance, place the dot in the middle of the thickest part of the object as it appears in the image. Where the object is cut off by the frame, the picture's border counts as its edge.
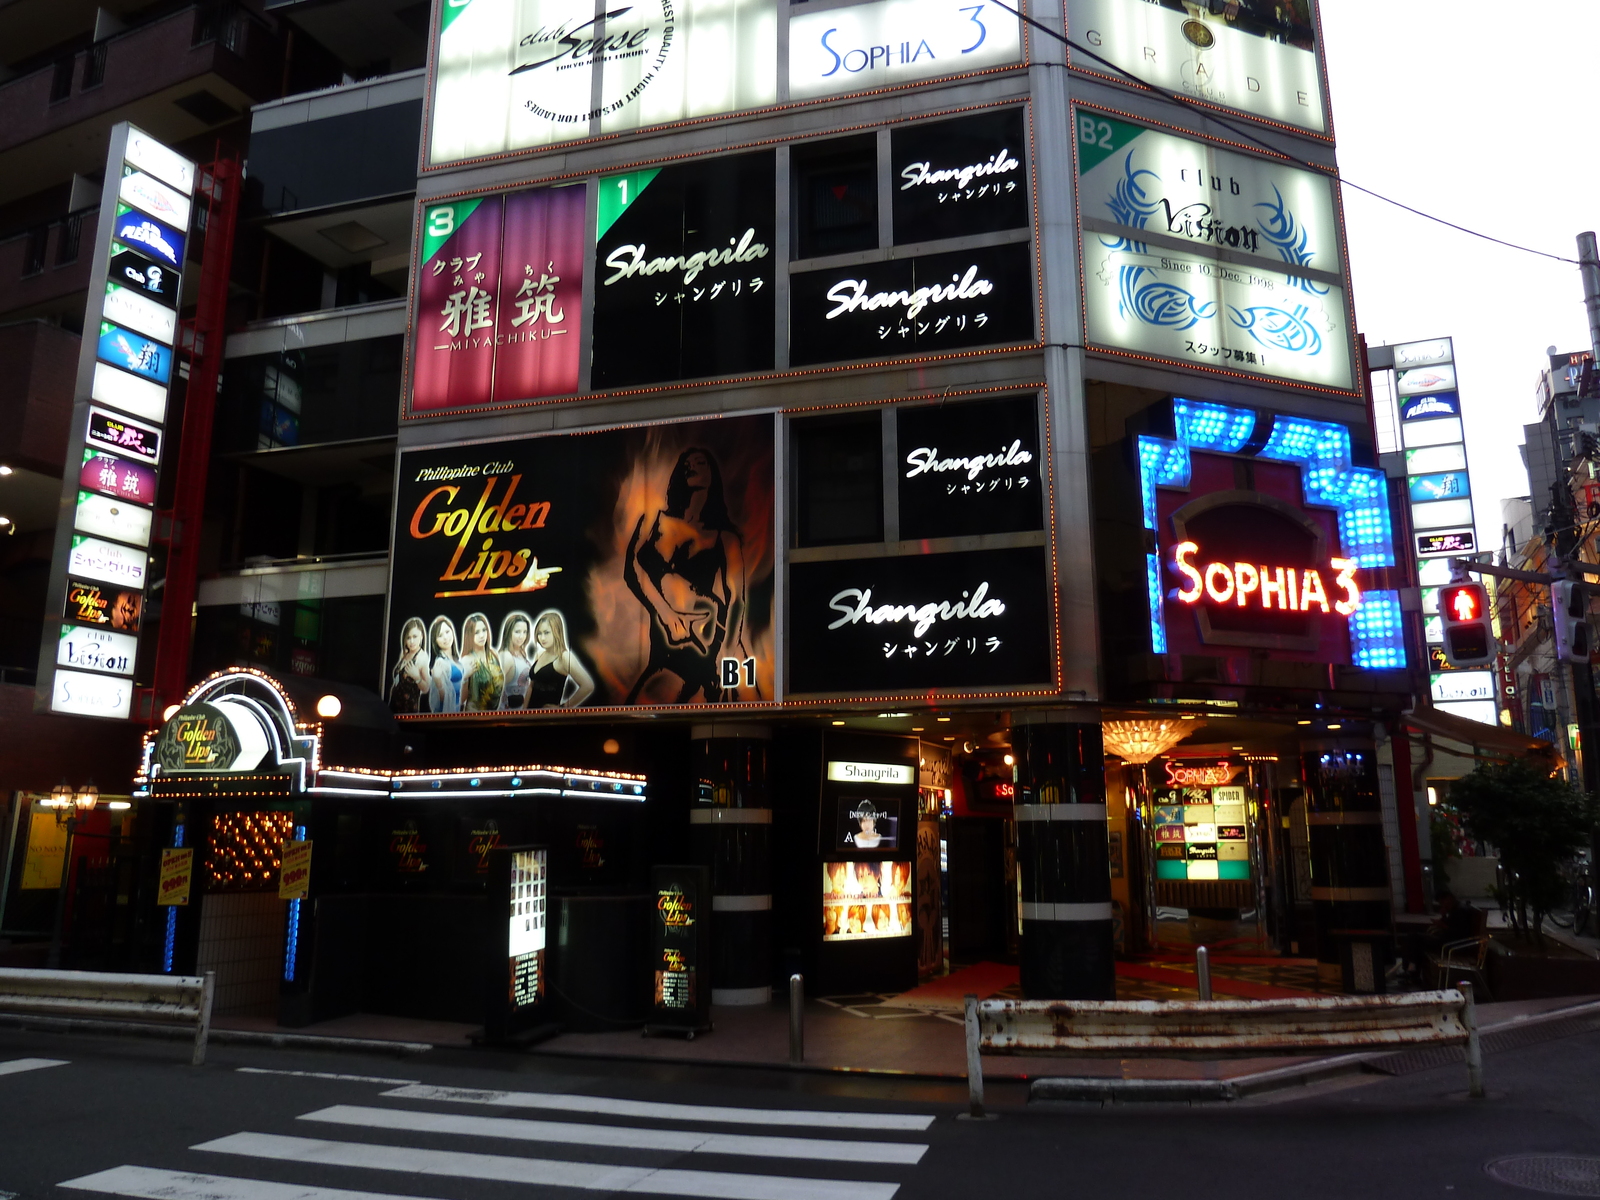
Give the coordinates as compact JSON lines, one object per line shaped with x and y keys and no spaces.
{"x":1582,"y":675}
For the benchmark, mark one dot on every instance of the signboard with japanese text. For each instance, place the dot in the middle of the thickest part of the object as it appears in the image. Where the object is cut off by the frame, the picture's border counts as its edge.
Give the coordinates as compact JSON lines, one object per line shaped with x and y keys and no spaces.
{"x":684,"y":271}
{"x":886,"y":43}
{"x":970,"y":468}
{"x":101,"y":562}
{"x":921,"y":622}
{"x":927,"y":305}
{"x":680,"y":946}
{"x":618,"y":568}
{"x":960,"y":177}
{"x":1208,"y":257}
{"x":1256,"y":56}
{"x":294,"y":871}
{"x":514,"y":75}
{"x":499,"y":300}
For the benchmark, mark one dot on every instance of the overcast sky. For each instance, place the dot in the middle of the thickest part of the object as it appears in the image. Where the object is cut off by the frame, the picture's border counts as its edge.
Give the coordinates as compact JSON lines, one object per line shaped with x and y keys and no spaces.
{"x":1483,"y":117}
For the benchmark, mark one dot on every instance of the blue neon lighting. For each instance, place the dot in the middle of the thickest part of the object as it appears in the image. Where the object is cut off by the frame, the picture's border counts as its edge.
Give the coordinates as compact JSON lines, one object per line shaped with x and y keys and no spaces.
{"x":291,"y":949}
{"x":169,"y":945}
{"x":1158,"y":619}
{"x":1328,"y":479}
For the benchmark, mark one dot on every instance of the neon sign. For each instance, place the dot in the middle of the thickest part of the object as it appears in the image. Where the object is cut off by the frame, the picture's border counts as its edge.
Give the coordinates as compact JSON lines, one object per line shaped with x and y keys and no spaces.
{"x":1214,"y":774}
{"x":1295,"y":589}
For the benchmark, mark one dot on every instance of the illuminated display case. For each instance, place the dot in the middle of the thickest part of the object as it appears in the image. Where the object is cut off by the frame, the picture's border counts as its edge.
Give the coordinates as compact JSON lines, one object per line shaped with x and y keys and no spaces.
{"x":866,"y":900}
{"x":1202,"y":833}
{"x":1201,"y":820}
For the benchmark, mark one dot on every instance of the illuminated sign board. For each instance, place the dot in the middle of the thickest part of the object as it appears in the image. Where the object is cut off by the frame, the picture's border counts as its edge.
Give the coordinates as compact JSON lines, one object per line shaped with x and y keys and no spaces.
{"x":865,"y":901}
{"x":1246,"y":585}
{"x":960,"y":177}
{"x":1260,"y":59}
{"x":680,"y":946}
{"x":1448,"y":541}
{"x":505,"y":597}
{"x":925,"y":305}
{"x":101,"y":565}
{"x":1209,"y":257}
{"x":499,"y":300}
{"x":920,"y":622}
{"x":890,"y":42}
{"x":859,"y":772}
{"x":1455,"y":686}
{"x":525,"y":935}
{"x":684,"y":271}
{"x":1430,"y":404}
{"x":515,"y":75}
{"x":970,"y":468}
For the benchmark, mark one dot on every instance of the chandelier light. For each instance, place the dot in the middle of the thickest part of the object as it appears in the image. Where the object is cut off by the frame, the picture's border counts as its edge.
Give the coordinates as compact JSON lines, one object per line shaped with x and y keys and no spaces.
{"x":1141,"y":740}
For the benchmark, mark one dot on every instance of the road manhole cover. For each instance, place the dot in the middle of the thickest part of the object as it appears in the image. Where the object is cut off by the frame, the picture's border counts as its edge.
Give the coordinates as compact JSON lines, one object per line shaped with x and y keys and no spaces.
{"x":1555,"y":1174}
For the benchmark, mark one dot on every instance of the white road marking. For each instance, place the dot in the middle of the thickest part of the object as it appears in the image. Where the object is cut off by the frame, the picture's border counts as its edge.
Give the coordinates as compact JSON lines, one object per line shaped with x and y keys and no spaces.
{"x":325,"y":1075}
{"x":681,"y":1141}
{"x":186,"y":1185}
{"x":17,"y":1065}
{"x":709,"y":1185}
{"x":606,"y":1106}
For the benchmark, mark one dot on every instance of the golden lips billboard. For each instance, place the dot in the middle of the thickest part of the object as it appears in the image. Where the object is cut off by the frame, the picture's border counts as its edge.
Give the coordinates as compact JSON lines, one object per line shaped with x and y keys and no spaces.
{"x":626,"y":567}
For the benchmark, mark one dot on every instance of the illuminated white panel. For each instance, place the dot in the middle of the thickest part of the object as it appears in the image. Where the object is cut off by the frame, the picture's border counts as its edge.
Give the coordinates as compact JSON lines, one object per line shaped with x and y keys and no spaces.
{"x":1440,"y":513}
{"x":1193,"y":49}
{"x":140,"y":313}
{"x":1431,"y":433}
{"x":91,"y":695}
{"x":1428,"y":459}
{"x":1423,"y":354}
{"x":97,"y":649}
{"x":158,"y":200}
{"x":107,"y":516}
{"x":897,"y":41}
{"x":150,"y":155}
{"x":135,"y":396}
{"x":107,"y":562}
{"x":1483,"y":711}
{"x":1458,"y":686}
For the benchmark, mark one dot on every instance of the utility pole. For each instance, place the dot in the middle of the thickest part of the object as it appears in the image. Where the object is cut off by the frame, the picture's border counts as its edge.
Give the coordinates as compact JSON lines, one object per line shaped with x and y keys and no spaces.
{"x":1583,"y":676}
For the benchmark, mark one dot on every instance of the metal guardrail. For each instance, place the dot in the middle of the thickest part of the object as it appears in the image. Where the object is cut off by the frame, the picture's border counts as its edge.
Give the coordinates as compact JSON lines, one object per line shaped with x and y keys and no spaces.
{"x":97,"y":996}
{"x":1210,"y":1029}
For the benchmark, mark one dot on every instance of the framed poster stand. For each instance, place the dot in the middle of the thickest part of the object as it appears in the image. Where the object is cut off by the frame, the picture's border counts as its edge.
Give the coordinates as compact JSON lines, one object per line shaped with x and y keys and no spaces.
{"x":680,"y":951}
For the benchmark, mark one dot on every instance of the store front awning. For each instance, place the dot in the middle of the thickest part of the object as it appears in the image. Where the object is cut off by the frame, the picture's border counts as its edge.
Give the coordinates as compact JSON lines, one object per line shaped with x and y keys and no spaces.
{"x":1477,"y":739}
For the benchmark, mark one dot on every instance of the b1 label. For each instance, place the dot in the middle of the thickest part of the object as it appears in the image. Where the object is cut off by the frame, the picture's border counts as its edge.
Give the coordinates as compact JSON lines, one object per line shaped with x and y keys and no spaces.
{"x":731,"y":668}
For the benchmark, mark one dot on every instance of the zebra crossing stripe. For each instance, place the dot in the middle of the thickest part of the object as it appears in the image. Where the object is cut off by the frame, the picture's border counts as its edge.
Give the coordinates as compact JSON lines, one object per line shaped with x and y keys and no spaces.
{"x":18,"y":1065}
{"x":151,"y":1184}
{"x":597,"y":1177}
{"x":606,"y":1106}
{"x":681,"y":1141}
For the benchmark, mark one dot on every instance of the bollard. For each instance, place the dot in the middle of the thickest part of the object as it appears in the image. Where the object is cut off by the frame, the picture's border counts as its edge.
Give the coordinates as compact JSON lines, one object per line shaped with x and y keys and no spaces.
{"x":974,"y":1061}
{"x":1469,"y":1018}
{"x":797,"y":1019}
{"x":1202,"y":971}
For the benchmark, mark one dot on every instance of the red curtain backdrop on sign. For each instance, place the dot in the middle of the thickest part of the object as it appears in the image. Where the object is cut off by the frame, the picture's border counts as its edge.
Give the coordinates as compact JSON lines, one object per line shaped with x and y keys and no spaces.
{"x":456,"y":314}
{"x":541,"y":295}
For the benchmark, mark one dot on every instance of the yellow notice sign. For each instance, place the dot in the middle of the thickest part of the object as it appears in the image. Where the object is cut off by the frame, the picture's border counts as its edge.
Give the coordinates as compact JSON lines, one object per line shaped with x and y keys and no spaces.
{"x":177,"y":872}
{"x":294,"y":879}
{"x":47,"y":851}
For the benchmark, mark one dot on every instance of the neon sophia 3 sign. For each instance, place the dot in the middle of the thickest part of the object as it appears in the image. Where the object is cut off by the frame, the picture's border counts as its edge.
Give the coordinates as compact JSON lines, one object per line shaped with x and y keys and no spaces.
{"x":1246,"y":585}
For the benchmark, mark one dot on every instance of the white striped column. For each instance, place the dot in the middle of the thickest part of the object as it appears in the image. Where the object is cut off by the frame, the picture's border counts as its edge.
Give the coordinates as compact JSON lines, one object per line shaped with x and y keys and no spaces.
{"x":730,"y":828}
{"x":1063,"y":862}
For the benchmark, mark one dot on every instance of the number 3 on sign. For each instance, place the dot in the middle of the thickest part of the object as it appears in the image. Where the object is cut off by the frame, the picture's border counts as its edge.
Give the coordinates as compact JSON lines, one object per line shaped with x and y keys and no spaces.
{"x":1095,"y":133}
{"x":442,"y":221}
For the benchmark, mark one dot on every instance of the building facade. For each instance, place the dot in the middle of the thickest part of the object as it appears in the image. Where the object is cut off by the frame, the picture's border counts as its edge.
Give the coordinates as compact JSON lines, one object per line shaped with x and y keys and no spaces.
{"x":934,"y":464}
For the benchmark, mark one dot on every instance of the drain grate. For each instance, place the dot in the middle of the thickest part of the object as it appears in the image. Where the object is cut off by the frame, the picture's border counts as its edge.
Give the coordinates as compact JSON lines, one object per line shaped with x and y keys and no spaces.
{"x":1554,"y":1174}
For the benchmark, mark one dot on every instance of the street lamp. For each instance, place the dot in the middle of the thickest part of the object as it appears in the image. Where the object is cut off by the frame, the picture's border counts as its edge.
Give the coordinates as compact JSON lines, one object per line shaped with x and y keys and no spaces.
{"x":71,"y":805}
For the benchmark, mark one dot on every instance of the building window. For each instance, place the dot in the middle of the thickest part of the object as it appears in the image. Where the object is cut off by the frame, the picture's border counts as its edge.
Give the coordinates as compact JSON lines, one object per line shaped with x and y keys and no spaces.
{"x":839,"y":471}
{"x":835,"y":189}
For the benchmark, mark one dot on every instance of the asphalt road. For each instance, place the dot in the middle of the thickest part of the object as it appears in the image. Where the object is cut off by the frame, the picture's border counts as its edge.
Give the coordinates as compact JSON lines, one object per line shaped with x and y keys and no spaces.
{"x":130,"y":1117}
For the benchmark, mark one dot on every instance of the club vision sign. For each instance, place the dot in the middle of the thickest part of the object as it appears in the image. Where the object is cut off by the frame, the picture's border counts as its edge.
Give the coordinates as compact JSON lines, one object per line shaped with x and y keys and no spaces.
{"x":1210,"y":258}
{"x":518,"y":74}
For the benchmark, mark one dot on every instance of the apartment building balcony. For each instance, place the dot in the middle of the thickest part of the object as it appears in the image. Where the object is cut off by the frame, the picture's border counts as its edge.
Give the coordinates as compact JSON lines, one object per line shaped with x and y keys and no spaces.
{"x":177,"y":77}
{"x":44,"y":270}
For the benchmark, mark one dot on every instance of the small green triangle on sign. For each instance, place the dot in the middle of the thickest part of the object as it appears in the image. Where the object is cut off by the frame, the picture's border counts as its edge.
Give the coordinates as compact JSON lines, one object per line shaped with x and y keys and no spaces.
{"x":617,"y":192}
{"x":439,"y":223}
{"x":449,"y":11}
{"x":1099,"y":137}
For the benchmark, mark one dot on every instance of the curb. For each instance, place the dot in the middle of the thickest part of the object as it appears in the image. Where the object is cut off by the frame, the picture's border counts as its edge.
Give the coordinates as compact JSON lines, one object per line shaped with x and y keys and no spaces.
{"x":243,"y":1037}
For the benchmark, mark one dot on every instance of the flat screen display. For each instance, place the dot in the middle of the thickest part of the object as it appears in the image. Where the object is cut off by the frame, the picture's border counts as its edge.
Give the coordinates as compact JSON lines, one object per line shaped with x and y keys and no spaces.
{"x":862,"y":901}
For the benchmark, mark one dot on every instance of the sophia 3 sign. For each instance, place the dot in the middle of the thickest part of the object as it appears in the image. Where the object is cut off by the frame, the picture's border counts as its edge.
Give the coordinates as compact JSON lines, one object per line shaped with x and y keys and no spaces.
{"x":897,"y":41}
{"x":860,"y":772}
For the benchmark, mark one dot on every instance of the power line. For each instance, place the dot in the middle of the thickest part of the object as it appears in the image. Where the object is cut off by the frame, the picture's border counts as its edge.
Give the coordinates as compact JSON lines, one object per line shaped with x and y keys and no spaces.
{"x":1209,"y":114}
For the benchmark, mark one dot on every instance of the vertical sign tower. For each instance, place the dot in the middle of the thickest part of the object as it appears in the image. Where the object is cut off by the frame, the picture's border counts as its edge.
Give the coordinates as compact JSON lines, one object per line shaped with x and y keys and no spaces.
{"x":101,"y":568}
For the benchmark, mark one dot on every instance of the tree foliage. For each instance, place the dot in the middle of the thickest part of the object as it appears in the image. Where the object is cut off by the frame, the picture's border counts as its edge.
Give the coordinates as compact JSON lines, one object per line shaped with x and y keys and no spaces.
{"x":1536,"y":823}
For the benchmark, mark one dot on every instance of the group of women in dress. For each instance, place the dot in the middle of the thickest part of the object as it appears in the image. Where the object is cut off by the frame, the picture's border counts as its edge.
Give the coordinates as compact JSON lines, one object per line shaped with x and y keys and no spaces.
{"x":531,"y":666}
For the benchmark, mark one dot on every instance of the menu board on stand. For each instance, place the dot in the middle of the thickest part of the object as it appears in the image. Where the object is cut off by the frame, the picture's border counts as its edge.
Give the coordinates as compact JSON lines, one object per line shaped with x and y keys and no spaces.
{"x":516,"y":980}
{"x":101,"y":567}
{"x":680,"y":951}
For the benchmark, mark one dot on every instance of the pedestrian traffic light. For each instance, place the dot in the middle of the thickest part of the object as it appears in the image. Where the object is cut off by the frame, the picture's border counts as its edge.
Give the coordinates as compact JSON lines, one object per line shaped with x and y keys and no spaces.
{"x":1468,"y":638}
{"x":1569,"y":606}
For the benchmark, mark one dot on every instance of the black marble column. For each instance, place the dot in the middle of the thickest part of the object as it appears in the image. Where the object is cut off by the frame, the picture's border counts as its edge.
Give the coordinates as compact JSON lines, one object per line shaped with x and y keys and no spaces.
{"x":1064,"y":864}
{"x":1349,"y":861}
{"x":730,"y":827}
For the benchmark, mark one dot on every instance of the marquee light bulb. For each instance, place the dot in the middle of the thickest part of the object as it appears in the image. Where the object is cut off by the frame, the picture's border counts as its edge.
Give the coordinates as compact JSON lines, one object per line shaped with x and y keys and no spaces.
{"x":169,"y":712}
{"x":329,"y":707}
